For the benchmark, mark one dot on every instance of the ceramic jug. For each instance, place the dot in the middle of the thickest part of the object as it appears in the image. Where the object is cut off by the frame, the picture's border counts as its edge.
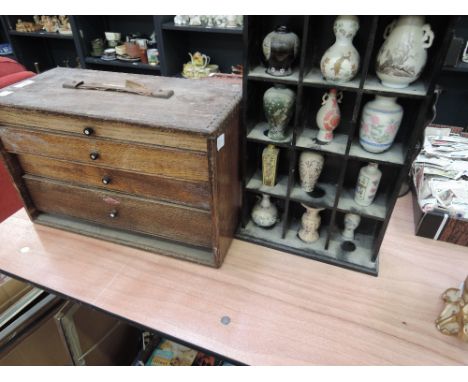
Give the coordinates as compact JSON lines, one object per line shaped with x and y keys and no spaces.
{"x":278,"y":105}
{"x":328,"y":116}
{"x":265,"y":213}
{"x":403,"y":55}
{"x":380,"y":121}
{"x":280,"y":49}
{"x":351,"y":222}
{"x":310,"y":167}
{"x":340,"y":62}
{"x":368,"y":182}
{"x":310,"y":224}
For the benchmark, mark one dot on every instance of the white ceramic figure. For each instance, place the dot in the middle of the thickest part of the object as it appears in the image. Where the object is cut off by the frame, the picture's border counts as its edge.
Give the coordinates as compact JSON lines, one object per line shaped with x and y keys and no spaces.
{"x":367,"y":185}
{"x":195,"y":20}
{"x":351,"y":222}
{"x":221,"y":21}
{"x":265,"y":213}
{"x":181,"y":20}
{"x":310,"y":167}
{"x":231,"y":21}
{"x":403,"y":55}
{"x":310,"y":224}
{"x":340,"y":62}
{"x":328,"y":117}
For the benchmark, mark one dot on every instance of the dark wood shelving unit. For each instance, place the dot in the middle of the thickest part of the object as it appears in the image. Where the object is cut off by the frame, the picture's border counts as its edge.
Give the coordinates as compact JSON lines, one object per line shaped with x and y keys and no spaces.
{"x":42,"y":35}
{"x":191,"y":28}
{"x":121,"y":64}
{"x":344,"y":157}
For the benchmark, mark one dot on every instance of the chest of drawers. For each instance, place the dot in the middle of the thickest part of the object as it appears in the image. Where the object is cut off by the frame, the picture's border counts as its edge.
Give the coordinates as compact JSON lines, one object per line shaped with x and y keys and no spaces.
{"x":153,"y":173}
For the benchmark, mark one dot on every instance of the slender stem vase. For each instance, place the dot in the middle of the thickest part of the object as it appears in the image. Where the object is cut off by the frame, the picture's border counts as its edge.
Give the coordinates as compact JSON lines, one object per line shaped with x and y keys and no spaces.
{"x":380,"y":121}
{"x":310,"y":224}
{"x":278,"y":105}
{"x":265,"y":213}
{"x":328,"y":117}
{"x":310,"y":167}
{"x":340,"y":62}
{"x":351,"y":222}
{"x":403,"y":55}
{"x":269,"y":165}
{"x":280,"y":49}
{"x":367,"y":185}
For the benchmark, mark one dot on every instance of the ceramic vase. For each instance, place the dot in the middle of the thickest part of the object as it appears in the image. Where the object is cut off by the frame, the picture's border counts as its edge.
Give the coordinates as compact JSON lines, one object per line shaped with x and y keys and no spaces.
{"x":351,"y":222}
{"x":269,"y":165}
{"x":367,"y":185}
{"x":278,"y":105}
{"x":380,"y":121}
{"x":310,"y":224}
{"x":265,"y":213}
{"x":310,"y":167}
{"x":403,"y":55}
{"x":340,"y":62}
{"x":280,"y":49}
{"x":328,"y":117}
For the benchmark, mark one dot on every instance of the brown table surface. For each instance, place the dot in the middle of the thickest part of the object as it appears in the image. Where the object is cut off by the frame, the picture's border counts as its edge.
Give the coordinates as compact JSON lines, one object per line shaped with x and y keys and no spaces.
{"x":284,"y":309}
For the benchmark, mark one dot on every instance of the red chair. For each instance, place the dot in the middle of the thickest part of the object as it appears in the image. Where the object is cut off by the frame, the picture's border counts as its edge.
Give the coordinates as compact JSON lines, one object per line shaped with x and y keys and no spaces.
{"x":10,"y":202}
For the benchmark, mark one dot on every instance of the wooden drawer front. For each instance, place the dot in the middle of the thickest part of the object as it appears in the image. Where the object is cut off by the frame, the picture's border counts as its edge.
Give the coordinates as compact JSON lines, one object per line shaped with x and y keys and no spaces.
{"x":104,"y":129}
{"x":185,"y":224}
{"x":150,"y":160}
{"x":195,"y":194}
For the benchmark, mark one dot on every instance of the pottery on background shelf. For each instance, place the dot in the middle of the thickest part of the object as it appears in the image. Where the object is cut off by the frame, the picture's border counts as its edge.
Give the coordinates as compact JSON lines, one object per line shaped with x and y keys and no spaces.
{"x":310,"y":224}
{"x":380,"y":121}
{"x":340,"y":62}
{"x":403,"y":55}
{"x":367,"y":184}
{"x":269,"y":165}
{"x":265,"y":213}
{"x":351,"y":222}
{"x":328,"y":117}
{"x":280,"y":49}
{"x":199,"y":66}
{"x":278,"y":105}
{"x":310,"y":167}
{"x":181,"y":20}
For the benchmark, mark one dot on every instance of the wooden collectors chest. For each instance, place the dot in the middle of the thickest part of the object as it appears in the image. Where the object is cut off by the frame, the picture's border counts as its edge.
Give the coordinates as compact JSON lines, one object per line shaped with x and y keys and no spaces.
{"x":152,"y":173}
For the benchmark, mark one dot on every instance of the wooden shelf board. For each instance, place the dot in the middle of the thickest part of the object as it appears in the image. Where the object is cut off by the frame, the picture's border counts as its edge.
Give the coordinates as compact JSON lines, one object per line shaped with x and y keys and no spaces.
{"x":327,"y":201}
{"x":257,"y":134}
{"x":314,"y":78}
{"x":305,"y":139}
{"x":122,"y":64}
{"x":280,"y":189}
{"x":394,"y":155}
{"x":42,"y":35}
{"x":202,"y":29}
{"x":377,"y":210}
{"x":259,"y":73}
{"x":461,"y":67}
{"x":374,"y":86}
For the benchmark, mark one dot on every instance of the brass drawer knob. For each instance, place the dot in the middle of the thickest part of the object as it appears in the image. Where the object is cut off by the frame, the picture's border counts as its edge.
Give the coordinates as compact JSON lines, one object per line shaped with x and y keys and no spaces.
{"x":94,"y":156}
{"x":88,"y":131}
{"x":106,"y":179}
{"x":113,"y":214}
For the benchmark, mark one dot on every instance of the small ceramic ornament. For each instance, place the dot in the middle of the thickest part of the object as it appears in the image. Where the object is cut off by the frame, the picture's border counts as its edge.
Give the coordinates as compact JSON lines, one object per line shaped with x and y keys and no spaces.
{"x":181,"y":20}
{"x":310,"y":224}
{"x":221,"y":21}
{"x":280,"y":49}
{"x":195,"y":20}
{"x":340,"y":62}
{"x":367,"y":185}
{"x":231,"y":21}
{"x":310,"y":167}
{"x":403,"y":55}
{"x":328,"y":117}
{"x":265,"y":213}
{"x":351,"y":222}
{"x":269,"y":165}
{"x":278,"y":105}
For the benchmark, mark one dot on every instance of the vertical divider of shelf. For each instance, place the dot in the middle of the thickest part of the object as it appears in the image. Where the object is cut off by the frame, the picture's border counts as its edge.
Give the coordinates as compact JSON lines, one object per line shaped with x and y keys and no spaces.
{"x":357,"y":107}
{"x":419,"y":126}
{"x":157,"y":22}
{"x":297,"y":113}
{"x":78,"y":40}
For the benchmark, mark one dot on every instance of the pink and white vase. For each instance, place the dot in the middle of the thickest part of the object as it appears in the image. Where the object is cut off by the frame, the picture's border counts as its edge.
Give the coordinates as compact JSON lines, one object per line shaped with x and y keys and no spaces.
{"x":329,"y":116}
{"x":380,"y":121}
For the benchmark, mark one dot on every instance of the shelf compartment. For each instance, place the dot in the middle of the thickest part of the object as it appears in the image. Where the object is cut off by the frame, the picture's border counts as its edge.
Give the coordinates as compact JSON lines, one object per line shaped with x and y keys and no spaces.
{"x":257,"y":134}
{"x":42,"y":35}
{"x":372,"y":85}
{"x":279,"y":190}
{"x":326,"y":201}
{"x":394,"y":155}
{"x":202,"y":29}
{"x":360,"y":257}
{"x":307,"y":135}
{"x":377,"y":210}
{"x":122,"y":64}
{"x":314,"y":78}
{"x":259,"y":73}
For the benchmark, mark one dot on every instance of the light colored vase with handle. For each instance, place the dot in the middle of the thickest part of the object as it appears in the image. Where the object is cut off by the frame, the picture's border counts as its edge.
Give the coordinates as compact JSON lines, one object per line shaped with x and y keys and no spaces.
{"x":403,"y":55}
{"x":351,"y":222}
{"x":310,"y":167}
{"x":265,"y":213}
{"x":310,"y":224}
{"x":329,"y":115}
{"x":367,"y":184}
{"x":380,"y":121}
{"x":278,"y":105}
{"x":340,"y":62}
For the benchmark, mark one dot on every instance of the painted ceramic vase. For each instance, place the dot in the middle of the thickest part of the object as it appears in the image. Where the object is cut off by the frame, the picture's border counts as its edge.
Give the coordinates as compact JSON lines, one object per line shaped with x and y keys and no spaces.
{"x":403,"y":55}
{"x":269,"y":165}
{"x":278,"y":105}
{"x":328,"y":117}
{"x":351,"y":222}
{"x":280,"y":49}
{"x":310,"y":167}
{"x":340,"y":62}
{"x":380,"y":121}
{"x":310,"y":224}
{"x":265,"y":213}
{"x":367,"y":185}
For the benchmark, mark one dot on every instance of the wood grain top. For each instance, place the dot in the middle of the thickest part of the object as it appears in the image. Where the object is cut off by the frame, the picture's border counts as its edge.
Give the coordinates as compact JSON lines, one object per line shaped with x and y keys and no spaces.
{"x":284,"y":309}
{"x":196,"y":106}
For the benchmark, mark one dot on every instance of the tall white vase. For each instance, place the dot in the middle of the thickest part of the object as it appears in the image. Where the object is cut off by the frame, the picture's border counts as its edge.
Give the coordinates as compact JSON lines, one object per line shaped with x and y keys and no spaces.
{"x":367,"y":185}
{"x":340,"y":62}
{"x":403,"y":55}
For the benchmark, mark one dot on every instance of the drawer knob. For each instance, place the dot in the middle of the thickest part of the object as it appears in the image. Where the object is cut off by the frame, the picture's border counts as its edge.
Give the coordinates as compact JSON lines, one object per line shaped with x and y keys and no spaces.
{"x":113,"y":214}
{"x":94,"y":156}
{"x":88,"y":131}
{"x":106,"y":179}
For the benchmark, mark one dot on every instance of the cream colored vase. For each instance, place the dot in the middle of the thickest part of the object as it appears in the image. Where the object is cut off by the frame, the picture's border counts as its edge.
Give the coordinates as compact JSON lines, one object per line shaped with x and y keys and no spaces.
{"x":403,"y":55}
{"x":310,"y":224}
{"x":310,"y":167}
{"x":367,"y":185}
{"x":265,"y":213}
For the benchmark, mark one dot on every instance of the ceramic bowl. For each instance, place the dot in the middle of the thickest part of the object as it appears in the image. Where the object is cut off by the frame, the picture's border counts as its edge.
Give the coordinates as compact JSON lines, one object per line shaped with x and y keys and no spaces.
{"x":112,"y":36}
